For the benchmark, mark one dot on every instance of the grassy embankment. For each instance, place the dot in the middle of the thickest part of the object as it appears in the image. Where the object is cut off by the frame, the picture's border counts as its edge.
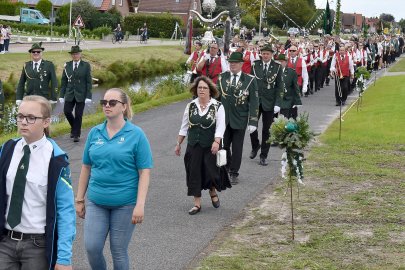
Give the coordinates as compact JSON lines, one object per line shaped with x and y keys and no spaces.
{"x":398,"y":67}
{"x":351,"y":212}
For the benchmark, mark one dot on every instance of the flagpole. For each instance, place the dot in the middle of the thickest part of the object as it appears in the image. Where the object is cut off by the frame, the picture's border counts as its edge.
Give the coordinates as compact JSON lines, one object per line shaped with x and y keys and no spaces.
{"x":260,"y":22}
{"x":70,"y":20}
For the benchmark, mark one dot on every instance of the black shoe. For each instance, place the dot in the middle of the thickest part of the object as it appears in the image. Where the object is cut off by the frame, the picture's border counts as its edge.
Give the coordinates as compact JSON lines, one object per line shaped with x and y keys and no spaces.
{"x":337,"y":104}
{"x":306,"y":95}
{"x":274,"y":144}
{"x":234,"y":179}
{"x":196,"y":209}
{"x":71,"y":136}
{"x":263,"y":162}
{"x":253,"y":154}
{"x":216,"y":204}
{"x":343,"y":103}
{"x":76,"y":139}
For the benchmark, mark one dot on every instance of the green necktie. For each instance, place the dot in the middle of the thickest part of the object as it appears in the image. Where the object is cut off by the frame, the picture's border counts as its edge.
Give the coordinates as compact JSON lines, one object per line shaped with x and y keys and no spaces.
{"x":17,"y":196}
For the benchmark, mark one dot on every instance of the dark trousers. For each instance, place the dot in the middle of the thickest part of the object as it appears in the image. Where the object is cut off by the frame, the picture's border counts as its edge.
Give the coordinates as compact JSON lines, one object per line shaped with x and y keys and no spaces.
{"x":290,"y":113}
{"x":254,"y":136}
{"x":76,"y":120}
{"x":311,"y":75}
{"x":24,"y":254}
{"x":6,"y":44}
{"x":344,"y":85}
{"x":324,"y":70}
{"x":318,"y":77}
{"x":234,"y":157}
{"x":194,"y":76}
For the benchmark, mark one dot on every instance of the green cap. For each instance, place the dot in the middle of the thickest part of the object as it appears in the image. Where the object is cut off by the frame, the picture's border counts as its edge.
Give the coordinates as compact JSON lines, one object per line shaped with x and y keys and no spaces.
{"x":36,"y":46}
{"x":236,"y":57}
{"x":281,"y":57}
{"x":267,"y":47}
{"x":75,"y":49}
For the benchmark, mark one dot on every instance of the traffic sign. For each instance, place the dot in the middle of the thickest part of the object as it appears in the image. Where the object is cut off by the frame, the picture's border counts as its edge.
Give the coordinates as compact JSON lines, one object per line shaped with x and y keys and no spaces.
{"x":79,"y":22}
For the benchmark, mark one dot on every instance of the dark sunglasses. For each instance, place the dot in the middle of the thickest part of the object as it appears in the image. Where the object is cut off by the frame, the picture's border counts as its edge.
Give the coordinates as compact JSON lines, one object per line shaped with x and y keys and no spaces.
{"x":36,"y":52}
{"x":111,"y":102}
{"x":293,"y":50}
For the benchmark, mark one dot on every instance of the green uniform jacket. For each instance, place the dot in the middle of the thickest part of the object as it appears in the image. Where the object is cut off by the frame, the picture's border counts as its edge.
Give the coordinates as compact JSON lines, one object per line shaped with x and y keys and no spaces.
{"x":291,"y":91}
{"x":41,"y":83}
{"x":1,"y":100}
{"x":241,"y":103}
{"x":76,"y":84}
{"x":269,"y":85}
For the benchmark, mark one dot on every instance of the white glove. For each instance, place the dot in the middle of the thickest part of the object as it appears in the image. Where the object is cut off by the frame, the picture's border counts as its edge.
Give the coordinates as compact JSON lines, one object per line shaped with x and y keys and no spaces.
{"x":207,"y":56}
{"x":61,"y":100}
{"x":296,"y":106}
{"x":251,"y":129}
{"x":276,"y":109}
{"x":18,"y":102}
{"x":87,"y":100}
{"x":52,"y":101}
{"x":304,"y":89}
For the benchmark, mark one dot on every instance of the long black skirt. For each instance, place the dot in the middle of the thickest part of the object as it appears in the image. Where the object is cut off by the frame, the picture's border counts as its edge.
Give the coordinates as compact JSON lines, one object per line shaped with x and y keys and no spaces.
{"x":202,"y":172}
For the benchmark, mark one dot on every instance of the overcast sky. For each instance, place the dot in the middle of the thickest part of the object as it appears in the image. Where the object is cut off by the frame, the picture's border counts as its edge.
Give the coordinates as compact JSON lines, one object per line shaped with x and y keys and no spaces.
{"x":368,"y":8}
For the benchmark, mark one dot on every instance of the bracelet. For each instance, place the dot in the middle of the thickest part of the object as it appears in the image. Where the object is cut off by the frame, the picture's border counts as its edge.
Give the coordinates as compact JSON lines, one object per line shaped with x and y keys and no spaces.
{"x":79,"y":201}
{"x":177,"y":143}
{"x":217,"y":142}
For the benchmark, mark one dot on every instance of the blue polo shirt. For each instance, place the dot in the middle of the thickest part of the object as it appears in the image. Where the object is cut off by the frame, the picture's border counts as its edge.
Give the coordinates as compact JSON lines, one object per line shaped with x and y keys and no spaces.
{"x":115,"y":163}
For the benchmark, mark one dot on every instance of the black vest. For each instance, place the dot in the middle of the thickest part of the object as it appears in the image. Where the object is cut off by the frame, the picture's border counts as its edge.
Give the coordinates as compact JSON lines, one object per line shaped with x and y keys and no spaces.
{"x":201,"y":129}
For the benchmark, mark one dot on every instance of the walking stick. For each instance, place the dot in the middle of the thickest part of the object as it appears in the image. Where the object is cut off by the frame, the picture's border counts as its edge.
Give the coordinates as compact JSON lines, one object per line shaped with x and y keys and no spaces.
{"x":340,"y":104}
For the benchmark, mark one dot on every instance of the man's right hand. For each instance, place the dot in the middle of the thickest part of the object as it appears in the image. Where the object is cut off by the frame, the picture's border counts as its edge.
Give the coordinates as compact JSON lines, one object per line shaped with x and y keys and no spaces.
{"x":61,"y":100}
{"x":18,"y":102}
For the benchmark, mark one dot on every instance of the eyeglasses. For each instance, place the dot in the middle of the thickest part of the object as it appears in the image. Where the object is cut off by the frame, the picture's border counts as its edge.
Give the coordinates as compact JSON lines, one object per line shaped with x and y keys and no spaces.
{"x":293,"y":50}
{"x":36,"y":52}
{"x":111,"y":102}
{"x":29,"y":118}
{"x":202,"y":88}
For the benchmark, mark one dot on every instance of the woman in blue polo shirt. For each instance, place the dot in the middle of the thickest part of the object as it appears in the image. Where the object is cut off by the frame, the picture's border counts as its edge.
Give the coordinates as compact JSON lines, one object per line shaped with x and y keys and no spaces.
{"x":115,"y":173}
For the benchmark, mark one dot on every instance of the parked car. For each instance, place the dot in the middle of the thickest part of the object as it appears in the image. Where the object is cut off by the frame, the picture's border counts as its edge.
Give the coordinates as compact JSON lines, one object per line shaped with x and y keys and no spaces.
{"x":29,"y":16}
{"x":293,"y":31}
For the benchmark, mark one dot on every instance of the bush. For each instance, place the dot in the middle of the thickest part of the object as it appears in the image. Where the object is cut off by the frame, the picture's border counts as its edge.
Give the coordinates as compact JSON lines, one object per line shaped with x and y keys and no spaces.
{"x":62,"y":15}
{"x":99,"y":31}
{"x":106,"y":19}
{"x":159,"y":23}
{"x":38,"y":29}
{"x":8,"y":8}
{"x":249,"y":21}
{"x":45,"y":7}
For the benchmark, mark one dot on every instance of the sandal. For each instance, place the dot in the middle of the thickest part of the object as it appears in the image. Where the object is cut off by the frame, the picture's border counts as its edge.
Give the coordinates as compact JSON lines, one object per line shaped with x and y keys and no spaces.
{"x":194,"y":210}
{"x":217,"y":203}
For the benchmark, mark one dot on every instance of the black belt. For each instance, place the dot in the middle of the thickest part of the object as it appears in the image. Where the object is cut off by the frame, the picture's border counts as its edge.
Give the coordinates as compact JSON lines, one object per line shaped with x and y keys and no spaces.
{"x":18,"y":236}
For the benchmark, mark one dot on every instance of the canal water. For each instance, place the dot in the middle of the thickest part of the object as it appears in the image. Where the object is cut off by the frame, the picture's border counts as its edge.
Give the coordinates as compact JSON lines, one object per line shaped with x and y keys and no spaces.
{"x":149,"y":85}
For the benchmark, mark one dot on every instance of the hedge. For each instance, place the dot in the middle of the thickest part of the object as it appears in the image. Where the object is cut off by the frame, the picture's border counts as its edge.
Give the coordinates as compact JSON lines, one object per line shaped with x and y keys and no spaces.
{"x":159,"y":25}
{"x":57,"y":30}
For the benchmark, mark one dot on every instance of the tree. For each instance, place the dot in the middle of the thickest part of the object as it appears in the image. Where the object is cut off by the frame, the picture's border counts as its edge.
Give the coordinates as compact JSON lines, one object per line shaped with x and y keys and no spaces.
{"x":86,"y":10}
{"x":327,"y":20}
{"x":337,"y":18}
{"x":387,"y":17}
{"x":402,"y":24}
{"x":62,"y":15}
{"x":45,"y":7}
{"x":225,"y":5}
{"x":249,"y":21}
{"x":297,"y":10}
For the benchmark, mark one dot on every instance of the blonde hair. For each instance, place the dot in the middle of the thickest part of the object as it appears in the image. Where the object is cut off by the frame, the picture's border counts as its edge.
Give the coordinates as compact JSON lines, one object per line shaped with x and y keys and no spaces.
{"x":46,"y":108}
{"x":126,"y":100}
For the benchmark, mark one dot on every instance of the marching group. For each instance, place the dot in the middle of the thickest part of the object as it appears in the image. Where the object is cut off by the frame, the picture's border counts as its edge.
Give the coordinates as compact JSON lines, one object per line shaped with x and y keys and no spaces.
{"x":231,"y":92}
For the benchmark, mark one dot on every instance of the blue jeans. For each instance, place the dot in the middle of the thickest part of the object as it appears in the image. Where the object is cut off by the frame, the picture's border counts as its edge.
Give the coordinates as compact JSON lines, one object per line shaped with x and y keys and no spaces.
{"x":101,"y":220}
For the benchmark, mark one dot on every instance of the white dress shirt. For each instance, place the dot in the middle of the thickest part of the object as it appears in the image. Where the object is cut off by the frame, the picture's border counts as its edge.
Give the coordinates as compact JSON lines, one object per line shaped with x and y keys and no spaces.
{"x":333,"y":63}
{"x":33,"y":217}
{"x":219,"y":118}
{"x":304,"y":74}
{"x":74,"y":64}
{"x":39,"y":63}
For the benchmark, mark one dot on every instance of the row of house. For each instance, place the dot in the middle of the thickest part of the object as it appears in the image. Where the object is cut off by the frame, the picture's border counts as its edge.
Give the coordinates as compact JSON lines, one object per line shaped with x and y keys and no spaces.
{"x":125,"y":7}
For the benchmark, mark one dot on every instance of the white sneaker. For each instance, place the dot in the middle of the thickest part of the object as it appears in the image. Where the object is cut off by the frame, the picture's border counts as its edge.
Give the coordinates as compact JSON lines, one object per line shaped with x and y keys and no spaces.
{"x":3,"y":52}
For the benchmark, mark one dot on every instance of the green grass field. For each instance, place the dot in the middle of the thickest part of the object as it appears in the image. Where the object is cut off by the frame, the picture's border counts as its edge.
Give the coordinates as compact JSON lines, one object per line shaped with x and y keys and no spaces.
{"x":351,"y":212}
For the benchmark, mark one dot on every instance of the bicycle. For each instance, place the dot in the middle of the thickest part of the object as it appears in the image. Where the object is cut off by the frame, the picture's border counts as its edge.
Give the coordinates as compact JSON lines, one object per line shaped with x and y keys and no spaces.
{"x":117,"y":37}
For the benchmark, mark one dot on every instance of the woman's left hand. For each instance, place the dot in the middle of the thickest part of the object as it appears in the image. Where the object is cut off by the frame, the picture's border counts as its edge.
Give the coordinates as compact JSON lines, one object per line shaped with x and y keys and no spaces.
{"x":138,"y":214}
{"x":214,"y":147}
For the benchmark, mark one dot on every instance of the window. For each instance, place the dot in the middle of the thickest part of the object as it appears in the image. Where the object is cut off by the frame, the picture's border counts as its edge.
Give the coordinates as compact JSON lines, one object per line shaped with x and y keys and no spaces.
{"x":113,"y":2}
{"x":177,"y":1}
{"x":195,"y":5}
{"x":121,"y":2}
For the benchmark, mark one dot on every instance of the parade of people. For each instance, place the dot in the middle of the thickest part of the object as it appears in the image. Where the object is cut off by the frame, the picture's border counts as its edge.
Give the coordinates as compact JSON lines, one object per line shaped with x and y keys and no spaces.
{"x":118,"y":187}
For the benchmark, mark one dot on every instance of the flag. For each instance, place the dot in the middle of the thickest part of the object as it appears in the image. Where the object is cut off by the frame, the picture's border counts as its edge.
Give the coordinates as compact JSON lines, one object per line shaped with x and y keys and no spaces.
{"x":227,"y":35}
{"x":189,"y":36}
{"x":327,"y":20}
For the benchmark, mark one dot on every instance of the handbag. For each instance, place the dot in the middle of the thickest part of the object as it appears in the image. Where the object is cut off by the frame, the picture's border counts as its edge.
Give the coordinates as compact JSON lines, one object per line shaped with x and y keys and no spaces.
{"x":221,"y":156}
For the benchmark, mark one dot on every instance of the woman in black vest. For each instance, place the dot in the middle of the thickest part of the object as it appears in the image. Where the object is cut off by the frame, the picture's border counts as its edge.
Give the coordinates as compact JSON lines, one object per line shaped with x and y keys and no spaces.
{"x":204,"y":124}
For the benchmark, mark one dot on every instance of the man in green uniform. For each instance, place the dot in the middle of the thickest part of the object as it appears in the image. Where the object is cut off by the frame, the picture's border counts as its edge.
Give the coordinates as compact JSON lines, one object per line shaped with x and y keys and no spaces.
{"x":269,"y":79}
{"x":238,"y":94}
{"x":291,"y":93}
{"x":1,"y":101}
{"x":38,"y":77}
{"x":75,"y":90}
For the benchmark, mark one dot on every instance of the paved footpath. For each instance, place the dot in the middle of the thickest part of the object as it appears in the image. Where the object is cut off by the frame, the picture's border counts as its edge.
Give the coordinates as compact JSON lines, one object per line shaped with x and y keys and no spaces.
{"x":169,"y":238}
